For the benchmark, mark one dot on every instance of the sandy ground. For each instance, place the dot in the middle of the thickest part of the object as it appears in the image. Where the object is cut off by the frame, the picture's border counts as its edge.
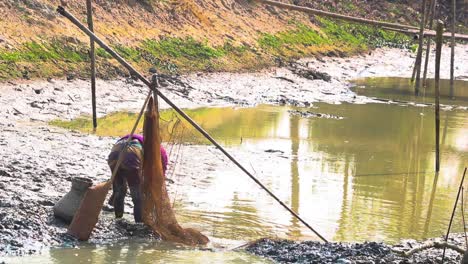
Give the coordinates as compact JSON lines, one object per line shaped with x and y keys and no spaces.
{"x":38,"y":161}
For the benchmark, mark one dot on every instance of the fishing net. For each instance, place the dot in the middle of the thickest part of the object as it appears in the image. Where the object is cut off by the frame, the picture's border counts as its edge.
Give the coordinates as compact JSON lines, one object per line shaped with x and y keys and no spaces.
{"x":157,"y":210}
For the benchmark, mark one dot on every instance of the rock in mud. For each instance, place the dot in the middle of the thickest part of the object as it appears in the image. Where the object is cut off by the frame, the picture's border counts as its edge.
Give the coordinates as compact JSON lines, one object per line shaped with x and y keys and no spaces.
{"x":307,"y":73}
{"x":312,"y":74}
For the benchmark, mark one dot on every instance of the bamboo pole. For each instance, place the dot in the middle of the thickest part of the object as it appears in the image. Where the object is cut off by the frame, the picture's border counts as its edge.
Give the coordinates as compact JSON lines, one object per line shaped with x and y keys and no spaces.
{"x":417,"y":64}
{"x":335,"y":15}
{"x":427,"y":33}
{"x":61,"y":10}
{"x":440,"y":29}
{"x":407,"y":29}
{"x":462,"y":202}
{"x":428,"y":44}
{"x":452,"y":52}
{"x":89,"y":11}
{"x":454,"y":208}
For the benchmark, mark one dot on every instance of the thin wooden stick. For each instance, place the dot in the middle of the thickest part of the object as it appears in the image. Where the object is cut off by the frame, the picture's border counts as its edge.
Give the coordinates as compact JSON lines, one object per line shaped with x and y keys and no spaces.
{"x":335,"y":15}
{"x":130,"y":138}
{"x":463,"y":217}
{"x":453,"y":211}
{"x":89,"y":10}
{"x":432,"y":244}
{"x":417,"y":65}
{"x":428,"y":44}
{"x":427,"y":33}
{"x":452,"y":53}
{"x":390,"y":26}
{"x":440,"y":29}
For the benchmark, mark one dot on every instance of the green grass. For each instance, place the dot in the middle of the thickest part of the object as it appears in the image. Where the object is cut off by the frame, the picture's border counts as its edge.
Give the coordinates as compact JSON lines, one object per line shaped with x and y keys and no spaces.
{"x":100,"y":52}
{"x":181,"y":48}
{"x":35,"y":52}
{"x":58,"y":57}
{"x":128,"y":53}
{"x":352,"y":37}
{"x":302,"y":35}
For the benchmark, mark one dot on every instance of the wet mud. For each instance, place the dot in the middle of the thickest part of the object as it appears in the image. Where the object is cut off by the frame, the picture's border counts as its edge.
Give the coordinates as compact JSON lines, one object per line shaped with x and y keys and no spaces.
{"x":38,"y":161}
{"x":285,"y":251}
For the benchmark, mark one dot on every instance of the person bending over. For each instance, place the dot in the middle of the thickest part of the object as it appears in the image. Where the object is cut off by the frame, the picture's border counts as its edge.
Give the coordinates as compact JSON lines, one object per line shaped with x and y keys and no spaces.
{"x":129,"y":173}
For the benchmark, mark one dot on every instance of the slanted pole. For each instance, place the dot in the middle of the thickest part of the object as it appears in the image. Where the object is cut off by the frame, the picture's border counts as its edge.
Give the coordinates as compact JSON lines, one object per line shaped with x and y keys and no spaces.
{"x":417,"y":64}
{"x":428,"y":44}
{"x":61,"y":10}
{"x":336,"y":15}
{"x":407,"y":29}
{"x":453,"y":212}
{"x":452,"y":53}
{"x":462,"y":203}
{"x":89,"y":11}
{"x":440,"y":30}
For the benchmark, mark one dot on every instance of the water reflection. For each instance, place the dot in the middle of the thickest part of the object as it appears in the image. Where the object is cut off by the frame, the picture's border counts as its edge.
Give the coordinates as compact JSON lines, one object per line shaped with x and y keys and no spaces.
{"x":137,"y":252}
{"x":294,"y":229}
{"x":368,"y":176}
{"x":402,"y":89}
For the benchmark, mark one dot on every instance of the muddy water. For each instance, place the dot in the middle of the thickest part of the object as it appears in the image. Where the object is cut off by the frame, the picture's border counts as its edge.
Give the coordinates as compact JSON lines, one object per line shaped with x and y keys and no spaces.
{"x":368,"y":176}
{"x":359,"y":172}
{"x":136,"y":252}
{"x":354,"y":172}
{"x":395,"y":88}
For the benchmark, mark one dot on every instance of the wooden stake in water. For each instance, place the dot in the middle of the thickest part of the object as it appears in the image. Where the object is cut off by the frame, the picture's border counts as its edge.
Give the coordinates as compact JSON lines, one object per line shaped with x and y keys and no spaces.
{"x":428,"y":44}
{"x":89,"y":10}
{"x":417,"y":64}
{"x":462,"y":201}
{"x":452,"y":53}
{"x":440,"y":30}
{"x":454,"y":208}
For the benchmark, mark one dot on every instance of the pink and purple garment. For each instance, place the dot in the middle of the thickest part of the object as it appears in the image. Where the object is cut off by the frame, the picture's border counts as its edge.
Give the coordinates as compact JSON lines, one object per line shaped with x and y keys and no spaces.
{"x":134,"y":154}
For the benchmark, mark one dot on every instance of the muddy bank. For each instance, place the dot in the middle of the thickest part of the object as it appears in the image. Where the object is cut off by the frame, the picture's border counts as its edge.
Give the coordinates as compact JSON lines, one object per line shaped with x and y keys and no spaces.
{"x":45,"y":100}
{"x":285,"y":251}
{"x":37,"y":168}
{"x":38,"y":161}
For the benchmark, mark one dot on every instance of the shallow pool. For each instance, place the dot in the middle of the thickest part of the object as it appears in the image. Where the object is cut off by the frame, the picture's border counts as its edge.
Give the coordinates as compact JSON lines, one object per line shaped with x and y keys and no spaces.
{"x":354,"y":171}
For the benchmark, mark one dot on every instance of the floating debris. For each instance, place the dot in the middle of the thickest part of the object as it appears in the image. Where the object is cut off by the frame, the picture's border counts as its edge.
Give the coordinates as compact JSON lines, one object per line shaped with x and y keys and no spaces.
{"x":309,"y":114}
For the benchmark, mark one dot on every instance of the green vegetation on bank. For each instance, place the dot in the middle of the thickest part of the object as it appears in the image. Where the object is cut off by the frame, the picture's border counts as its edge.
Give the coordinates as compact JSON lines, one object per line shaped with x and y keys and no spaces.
{"x":344,"y":38}
{"x":60,"y":57}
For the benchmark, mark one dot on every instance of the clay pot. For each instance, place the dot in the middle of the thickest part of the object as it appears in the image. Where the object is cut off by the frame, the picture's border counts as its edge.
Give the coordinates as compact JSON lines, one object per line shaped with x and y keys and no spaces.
{"x":67,"y":206}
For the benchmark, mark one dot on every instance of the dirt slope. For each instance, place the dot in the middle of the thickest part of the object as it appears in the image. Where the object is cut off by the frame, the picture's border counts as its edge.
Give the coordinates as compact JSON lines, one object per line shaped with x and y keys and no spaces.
{"x":128,"y":22}
{"x":182,"y":35}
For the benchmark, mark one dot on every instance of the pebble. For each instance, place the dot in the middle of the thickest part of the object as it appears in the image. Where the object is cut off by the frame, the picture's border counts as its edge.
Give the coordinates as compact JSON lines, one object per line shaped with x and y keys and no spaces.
{"x":343,"y":261}
{"x":38,"y":91}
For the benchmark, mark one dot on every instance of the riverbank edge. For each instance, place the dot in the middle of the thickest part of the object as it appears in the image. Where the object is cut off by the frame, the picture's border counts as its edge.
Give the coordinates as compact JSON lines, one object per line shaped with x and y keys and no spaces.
{"x":288,"y":251}
{"x":35,"y":104}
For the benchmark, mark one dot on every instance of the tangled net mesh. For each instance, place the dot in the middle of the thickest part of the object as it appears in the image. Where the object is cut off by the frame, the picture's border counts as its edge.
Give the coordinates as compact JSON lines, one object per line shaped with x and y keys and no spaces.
{"x":158,"y":213}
